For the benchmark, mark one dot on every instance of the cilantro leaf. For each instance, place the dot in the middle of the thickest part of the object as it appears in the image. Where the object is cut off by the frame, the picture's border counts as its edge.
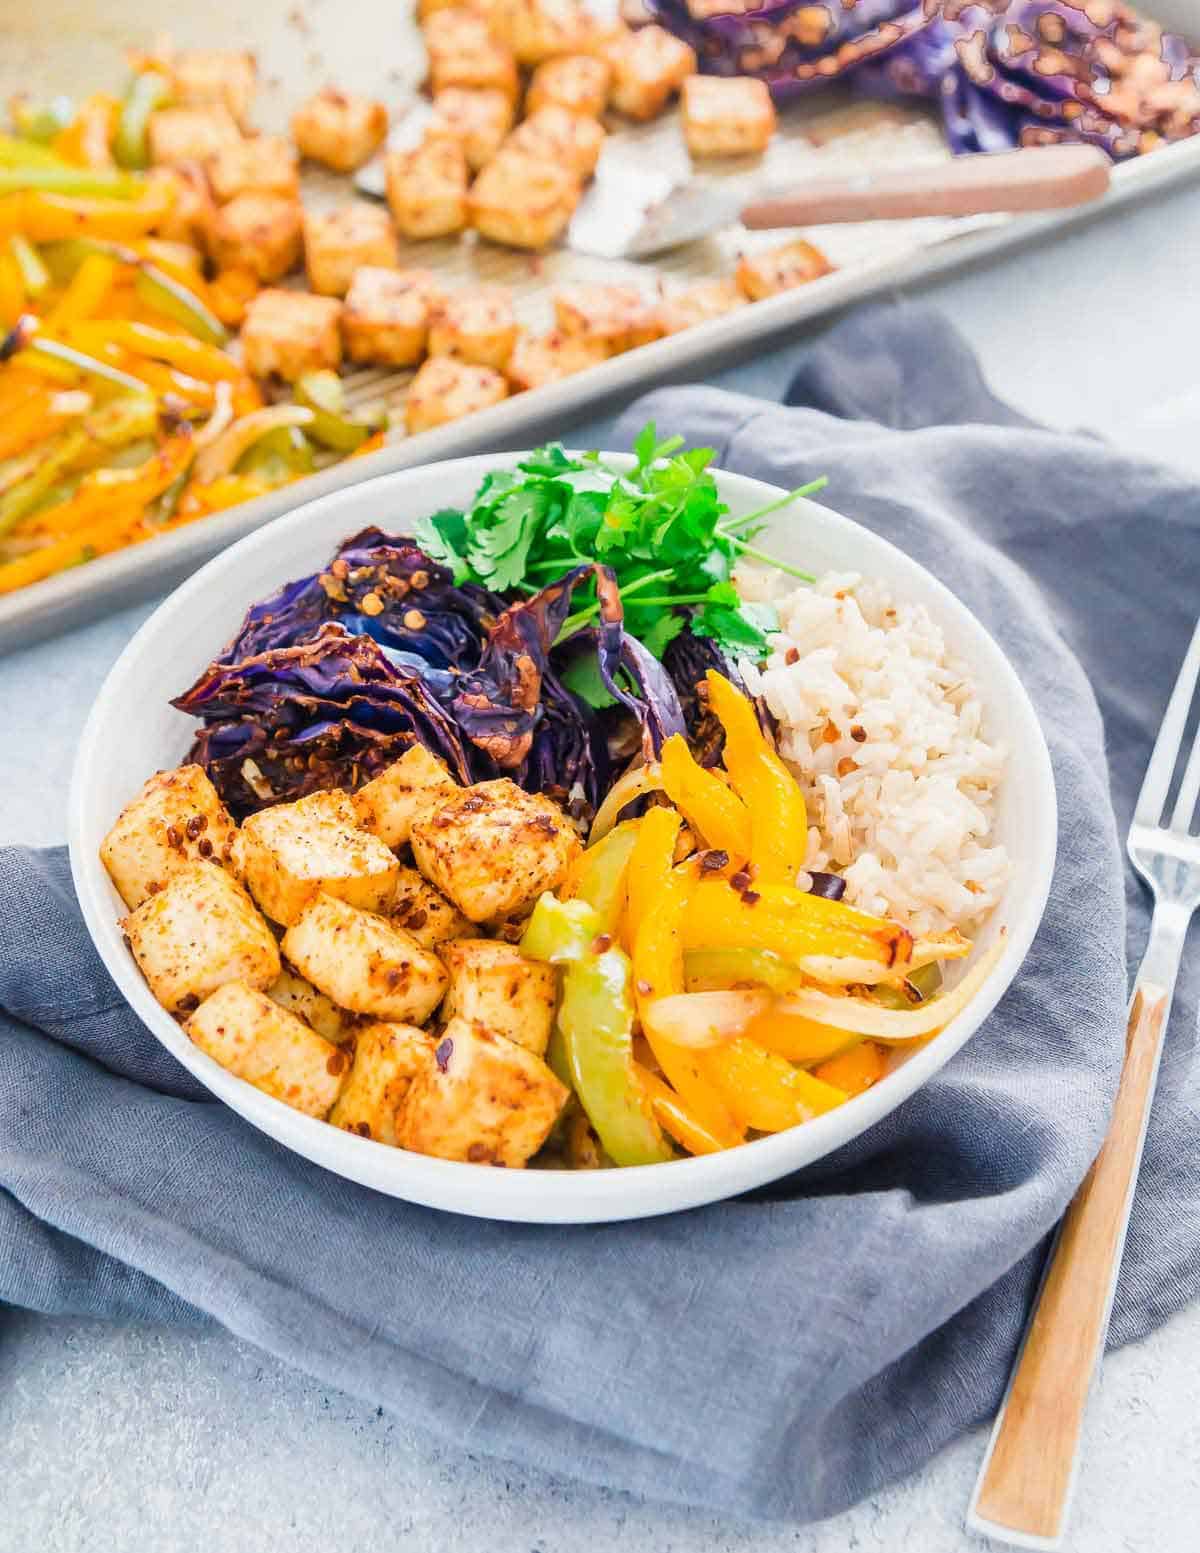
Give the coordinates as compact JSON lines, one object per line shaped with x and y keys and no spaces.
{"x":582,"y":678}
{"x":736,"y":631}
{"x":443,"y":537}
{"x":664,"y":630}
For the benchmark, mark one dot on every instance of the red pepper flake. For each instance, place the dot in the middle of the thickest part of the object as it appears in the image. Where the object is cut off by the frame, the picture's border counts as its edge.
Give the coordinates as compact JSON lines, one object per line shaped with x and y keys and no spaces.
{"x":645,"y":988}
{"x":414,"y":620}
{"x":792,"y":655}
{"x":478,"y":1152}
{"x":741,"y":880}
{"x":858,"y":733}
{"x":364,"y":1129}
{"x":846,"y":765}
{"x":195,"y":825}
{"x":336,"y":1063}
{"x":205,"y":847}
{"x":443,"y":1054}
{"x":714,"y":860}
{"x":174,"y":837}
{"x":371,"y":604}
{"x":187,"y":1003}
{"x":830,"y":734}
{"x":750,"y":897}
{"x":602,"y":943}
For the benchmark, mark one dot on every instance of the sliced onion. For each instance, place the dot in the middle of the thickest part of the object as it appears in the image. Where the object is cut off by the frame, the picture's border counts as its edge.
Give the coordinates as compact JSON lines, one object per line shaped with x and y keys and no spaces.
{"x":846,"y":970}
{"x":221,"y":417}
{"x":224,"y":453}
{"x":703,"y":1019}
{"x":634,"y":784}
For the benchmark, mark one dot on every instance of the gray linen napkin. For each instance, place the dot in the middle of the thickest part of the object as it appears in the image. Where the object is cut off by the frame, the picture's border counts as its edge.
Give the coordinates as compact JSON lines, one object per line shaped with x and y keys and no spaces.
{"x":785,"y":1354}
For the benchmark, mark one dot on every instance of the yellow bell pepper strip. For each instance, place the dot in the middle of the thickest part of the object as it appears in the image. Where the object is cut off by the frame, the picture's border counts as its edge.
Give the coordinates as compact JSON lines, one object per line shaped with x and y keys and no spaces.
{"x":87,"y":139}
{"x":87,"y":289}
{"x":105,"y":534}
{"x":799,"y":1040}
{"x":231,"y":292}
{"x":26,"y":424}
{"x":192,"y":356}
{"x":594,"y":1029}
{"x":650,"y":866}
{"x":711,"y":970}
{"x":165,"y":381}
{"x":17,"y":151}
{"x":599,"y":875}
{"x":202,"y":497}
{"x":779,"y":820}
{"x":105,"y":489}
{"x":763,"y":1090}
{"x":179,"y":303}
{"x":46,"y":217}
{"x":674,"y":1117}
{"x":855,"y":1070}
{"x":708,"y":805}
{"x":377,"y":440}
{"x":34,"y":274}
{"x":147,"y":92}
{"x":12,"y":291}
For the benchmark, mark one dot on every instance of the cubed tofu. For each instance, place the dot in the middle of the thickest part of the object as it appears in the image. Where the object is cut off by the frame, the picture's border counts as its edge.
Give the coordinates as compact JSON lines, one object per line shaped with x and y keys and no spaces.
{"x":339,"y":242}
{"x":427,"y":189}
{"x":289,"y":333}
{"x":387,"y":1057}
{"x":300,"y":997}
{"x":388,"y":804}
{"x":193,"y":208}
{"x":557,"y":135}
{"x":387,"y":314}
{"x":482,"y":1099}
{"x":493,"y":848}
{"x":200,"y":77}
{"x":258,"y":232}
{"x":364,"y":963}
{"x":262,"y":164}
{"x":463,"y":52}
{"x":649,"y":66}
{"x":198,"y":932}
{"x":474,"y":118}
{"x":291,"y":852}
{"x":779,"y":269}
{"x":495,"y":985}
{"x":475,"y":324}
{"x":256,"y":1040}
{"x":446,"y":389}
{"x":177,"y":819}
{"x":577,"y":82}
{"x":537,"y":30}
{"x":426,"y":913}
{"x":190,"y":134}
{"x":538,"y":359}
{"x":697,"y":304}
{"x":726,"y":115}
{"x":522,"y":202}
{"x":339,"y":129}
{"x":616,"y":317}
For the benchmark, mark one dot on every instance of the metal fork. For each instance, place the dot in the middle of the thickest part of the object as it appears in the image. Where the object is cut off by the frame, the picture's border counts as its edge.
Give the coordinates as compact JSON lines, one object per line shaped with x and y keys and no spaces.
{"x":1024,"y":1490}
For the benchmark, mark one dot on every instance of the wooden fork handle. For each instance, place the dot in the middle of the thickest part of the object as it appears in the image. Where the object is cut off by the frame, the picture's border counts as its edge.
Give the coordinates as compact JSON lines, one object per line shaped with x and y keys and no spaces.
{"x":1024,"y":1489}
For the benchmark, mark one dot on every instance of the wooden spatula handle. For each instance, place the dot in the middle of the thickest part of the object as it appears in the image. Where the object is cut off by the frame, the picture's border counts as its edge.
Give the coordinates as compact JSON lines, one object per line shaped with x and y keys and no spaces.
{"x":1037,"y":178}
{"x":1025,"y":1487}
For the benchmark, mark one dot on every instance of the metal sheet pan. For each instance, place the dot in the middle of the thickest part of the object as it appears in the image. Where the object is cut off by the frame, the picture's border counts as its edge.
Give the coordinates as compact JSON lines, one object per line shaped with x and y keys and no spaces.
{"x":298,"y":49}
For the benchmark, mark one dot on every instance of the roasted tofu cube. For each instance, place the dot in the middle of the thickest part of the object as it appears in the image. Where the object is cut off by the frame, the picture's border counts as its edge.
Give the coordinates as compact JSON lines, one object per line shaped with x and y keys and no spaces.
{"x":616,"y":317}
{"x":493,"y":848}
{"x":427,"y":189}
{"x":200,"y":77}
{"x":387,"y":1057}
{"x":482,"y":1098}
{"x":364,"y":963}
{"x":337,"y":243}
{"x":301,"y":998}
{"x":193,"y":209}
{"x":779,"y":269}
{"x":475,"y":324}
{"x":425,"y":913}
{"x":198,"y":932}
{"x":649,"y":66}
{"x":538,"y":359}
{"x":446,"y":389}
{"x":258,"y":232}
{"x":523,"y":202}
{"x":537,"y":30}
{"x":339,"y":129}
{"x":262,"y":164}
{"x":256,"y":1040}
{"x":291,"y":852}
{"x":289,"y":333}
{"x":388,"y":804}
{"x":190,"y":134}
{"x":463,"y":52}
{"x":577,"y":82}
{"x":175,"y":820}
{"x":697,"y":304}
{"x":387,"y":313}
{"x":726,"y":115}
{"x":557,"y":135}
{"x":494,"y":985}
{"x":474,"y":118}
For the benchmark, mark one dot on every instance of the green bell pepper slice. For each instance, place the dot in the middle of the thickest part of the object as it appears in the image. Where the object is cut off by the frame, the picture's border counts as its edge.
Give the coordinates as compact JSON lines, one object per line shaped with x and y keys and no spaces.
{"x":147,"y":93}
{"x":709,"y":969}
{"x":600,"y":878}
{"x":332,"y":425}
{"x":175,"y":301}
{"x":41,"y":121}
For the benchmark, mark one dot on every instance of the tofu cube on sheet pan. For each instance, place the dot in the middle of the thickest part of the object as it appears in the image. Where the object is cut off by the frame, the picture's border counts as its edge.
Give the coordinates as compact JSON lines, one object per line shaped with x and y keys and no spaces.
{"x":427,"y":189}
{"x":649,"y":66}
{"x":698,"y":303}
{"x":475,"y":118}
{"x":190,"y":134}
{"x":387,"y":314}
{"x":425,"y":912}
{"x":339,"y":129}
{"x":477,"y":324}
{"x":201,"y":77}
{"x":262,"y":164}
{"x":388,"y":804}
{"x":463,"y":52}
{"x":191,"y":216}
{"x":387,"y":1057}
{"x":177,"y":819}
{"x":364,"y":963}
{"x":293,"y":851}
{"x":300,"y":997}
{"x":538,"y":359}
{"x":726,"y":115}
{"x":577,"y":82}
{"x":257,"y":1040}
{"x":482,"y":1099}
{"x":339,"y":242}
{"x":619,"y":318}
{"x":522,"y":201}
{"x":779,"y":269}
{"x":493,"y":848}
{"x":446,"y":389}
{"x":258,"y":232}
{"x":197,"y":933}
{"x":538,"y":30}
{"x":495,"y":985}
{"x":561,"y":137}
{"x":289,"y":333}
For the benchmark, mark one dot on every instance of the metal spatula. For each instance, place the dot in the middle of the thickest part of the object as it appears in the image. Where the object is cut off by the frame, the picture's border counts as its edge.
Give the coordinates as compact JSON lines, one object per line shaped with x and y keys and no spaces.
{"x":633,"y":214}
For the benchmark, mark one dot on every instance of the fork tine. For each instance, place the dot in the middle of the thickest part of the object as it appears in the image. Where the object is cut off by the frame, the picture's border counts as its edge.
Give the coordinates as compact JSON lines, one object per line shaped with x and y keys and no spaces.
{"x":1189,"y":789}
{"x":1153,"y":795}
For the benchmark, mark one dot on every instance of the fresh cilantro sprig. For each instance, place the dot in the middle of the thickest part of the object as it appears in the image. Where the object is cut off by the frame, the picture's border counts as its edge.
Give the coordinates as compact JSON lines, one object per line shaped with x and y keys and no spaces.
{"x":661,"y":526}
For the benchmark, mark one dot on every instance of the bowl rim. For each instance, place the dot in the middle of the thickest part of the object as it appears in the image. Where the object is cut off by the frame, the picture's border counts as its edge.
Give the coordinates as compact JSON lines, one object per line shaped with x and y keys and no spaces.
{"x":553,"y":1196}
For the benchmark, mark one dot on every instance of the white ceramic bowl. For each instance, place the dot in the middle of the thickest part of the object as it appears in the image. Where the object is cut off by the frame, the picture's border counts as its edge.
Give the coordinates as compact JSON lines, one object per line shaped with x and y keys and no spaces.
{"x":133,"y":731}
